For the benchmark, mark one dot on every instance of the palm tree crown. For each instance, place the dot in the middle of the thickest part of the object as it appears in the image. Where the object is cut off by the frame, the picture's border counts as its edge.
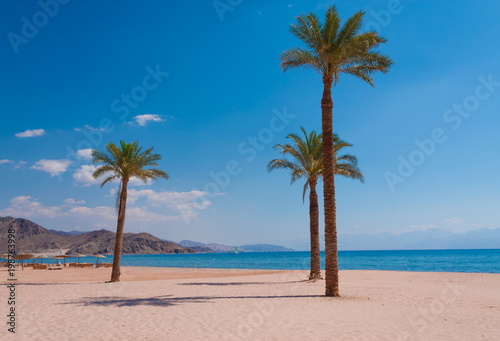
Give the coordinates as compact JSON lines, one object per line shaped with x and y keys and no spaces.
{"x":334,"y":49}
{"x":126,"y":161}
{"x":307,"y":161}
{"x":307,"y":157}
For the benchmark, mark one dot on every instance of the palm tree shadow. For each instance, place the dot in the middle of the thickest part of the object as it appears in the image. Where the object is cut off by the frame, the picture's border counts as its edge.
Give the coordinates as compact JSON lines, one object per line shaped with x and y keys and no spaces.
{"x":166,"y":300}
{"x":240,"y":283}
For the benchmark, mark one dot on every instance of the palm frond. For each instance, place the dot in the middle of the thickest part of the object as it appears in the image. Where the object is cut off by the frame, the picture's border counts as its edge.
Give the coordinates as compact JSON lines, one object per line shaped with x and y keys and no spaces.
{"x":349,"y":171}
{"x":332,"y":25}
{"x":108,"y":179}
{"x":350,"y":29}
{"x":308,"y":29}
{"x":298,"y":57}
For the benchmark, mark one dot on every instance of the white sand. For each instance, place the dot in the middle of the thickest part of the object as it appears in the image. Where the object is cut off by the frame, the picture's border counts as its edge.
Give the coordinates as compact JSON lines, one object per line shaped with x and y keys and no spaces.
{"x":204,"y":305}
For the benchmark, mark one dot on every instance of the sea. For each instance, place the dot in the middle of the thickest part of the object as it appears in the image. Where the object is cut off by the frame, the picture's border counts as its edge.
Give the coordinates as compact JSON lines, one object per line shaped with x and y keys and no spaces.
{"x":478,"y":261}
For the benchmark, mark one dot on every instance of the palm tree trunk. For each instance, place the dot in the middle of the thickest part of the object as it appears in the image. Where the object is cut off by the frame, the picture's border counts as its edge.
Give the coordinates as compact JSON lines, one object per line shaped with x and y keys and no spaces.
{"x":115,"y":273}
{"x":331,"y":254}
{"x":314,"y":228}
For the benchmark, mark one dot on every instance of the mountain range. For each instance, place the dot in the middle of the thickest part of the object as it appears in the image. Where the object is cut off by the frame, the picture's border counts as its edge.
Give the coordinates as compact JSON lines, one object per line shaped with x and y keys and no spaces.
{"x":33,"y":238}
{"x":432,"y":238}
{"x":213,"y":247}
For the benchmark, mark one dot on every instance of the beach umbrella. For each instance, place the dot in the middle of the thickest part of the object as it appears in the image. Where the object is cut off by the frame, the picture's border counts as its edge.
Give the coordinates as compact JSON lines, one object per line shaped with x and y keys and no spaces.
{"x":77,"y":255}
{"x":97,"y":256}
{"x":63,"y":257}
{"x":22,"y":257}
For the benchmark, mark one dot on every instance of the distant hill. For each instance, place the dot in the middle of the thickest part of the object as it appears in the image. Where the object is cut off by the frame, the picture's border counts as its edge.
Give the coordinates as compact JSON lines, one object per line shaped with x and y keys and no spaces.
{"x":70,"y":233}
{"x":263,"y":248}
{"x":213,"y":247}
{"x":220,"y":247}
{"x":195,"y":246}
{"x":429,"y":239}
{"x":31,"y":237}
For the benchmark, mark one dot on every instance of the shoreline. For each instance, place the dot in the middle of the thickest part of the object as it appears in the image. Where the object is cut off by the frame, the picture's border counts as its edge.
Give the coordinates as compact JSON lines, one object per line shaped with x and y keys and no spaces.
{"x":156,"y":273}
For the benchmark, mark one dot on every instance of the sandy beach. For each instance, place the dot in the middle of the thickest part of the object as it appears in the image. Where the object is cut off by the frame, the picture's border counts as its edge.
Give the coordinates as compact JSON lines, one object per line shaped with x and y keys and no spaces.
{"x":212,"y":304}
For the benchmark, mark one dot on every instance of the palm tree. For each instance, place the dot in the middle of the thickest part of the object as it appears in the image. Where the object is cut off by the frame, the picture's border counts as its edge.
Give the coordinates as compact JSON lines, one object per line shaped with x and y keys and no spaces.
{"x":308,"y":163}
{"x":122,"y":163}
{"x":333,"y":50}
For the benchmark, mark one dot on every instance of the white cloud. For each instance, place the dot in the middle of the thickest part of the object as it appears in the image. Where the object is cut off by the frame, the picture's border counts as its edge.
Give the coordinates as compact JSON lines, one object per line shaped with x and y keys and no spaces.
{"x":87,"y":127}
{"x":454,"y":220}
{"x":142,"y":120}
{"x":138,"y":182}
{"x":53,"y":167}
{"x":12,"y":164}
{"x":72,"y":201}
{"x":85,"y":154}
{"x":26,"y":206}
{"x":419,"y":227}
{"x":173,"y":206}
{"x":164,"y":198}
{"x":84,"y":175}
{"x":141,"y":215}
{"x":188,"y":204}
{"x":102,"y":225}
{"x":31,"y":133}
{"x":103,"y":212}
{"x":19,"y":164}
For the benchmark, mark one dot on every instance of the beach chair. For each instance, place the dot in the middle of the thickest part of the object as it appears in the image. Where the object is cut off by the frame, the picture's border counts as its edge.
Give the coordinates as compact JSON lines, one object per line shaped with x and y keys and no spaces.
{"x":55,"y":267}
{"x":40,"y":267}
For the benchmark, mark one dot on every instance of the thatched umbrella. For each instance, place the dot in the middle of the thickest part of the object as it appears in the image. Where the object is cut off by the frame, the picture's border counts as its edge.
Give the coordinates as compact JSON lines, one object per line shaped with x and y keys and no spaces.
{"x":78,"y":255}
{"x":63,"y":257}
{"x":97,"y":256}
{"x":22,"y":257}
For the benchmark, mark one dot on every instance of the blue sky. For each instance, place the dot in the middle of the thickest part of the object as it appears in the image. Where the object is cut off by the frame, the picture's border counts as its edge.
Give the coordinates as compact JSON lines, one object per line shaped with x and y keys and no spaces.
{"x":203,"y":86}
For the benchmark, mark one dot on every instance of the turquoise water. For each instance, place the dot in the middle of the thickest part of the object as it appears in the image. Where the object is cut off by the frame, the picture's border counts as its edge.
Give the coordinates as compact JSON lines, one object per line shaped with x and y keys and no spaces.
{"x":486,"y":261}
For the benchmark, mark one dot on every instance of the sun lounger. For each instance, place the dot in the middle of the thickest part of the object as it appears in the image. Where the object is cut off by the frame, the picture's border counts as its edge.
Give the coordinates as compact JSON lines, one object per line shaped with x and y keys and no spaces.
{"x":40,"y":267}
{"x":57,"y":267}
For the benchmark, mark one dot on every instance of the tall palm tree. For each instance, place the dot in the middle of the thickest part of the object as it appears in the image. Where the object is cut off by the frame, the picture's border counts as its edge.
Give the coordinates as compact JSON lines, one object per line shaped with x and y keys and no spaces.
{"x":333,"y":50}
{"x":122,"y":163}
{"x":307,"y":162}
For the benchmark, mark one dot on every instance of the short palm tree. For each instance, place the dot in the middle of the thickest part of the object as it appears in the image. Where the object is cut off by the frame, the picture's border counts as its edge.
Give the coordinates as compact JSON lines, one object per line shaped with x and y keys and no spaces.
{"x":307,"y":162}
{"x":122,"y":163}
{"x":334,"y":50}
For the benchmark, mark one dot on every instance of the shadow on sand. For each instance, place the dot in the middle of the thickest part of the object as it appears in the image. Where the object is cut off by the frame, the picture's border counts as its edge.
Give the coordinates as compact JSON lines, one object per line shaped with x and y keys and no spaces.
{"x":240,"y":283}
{"x":167,"y":300}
